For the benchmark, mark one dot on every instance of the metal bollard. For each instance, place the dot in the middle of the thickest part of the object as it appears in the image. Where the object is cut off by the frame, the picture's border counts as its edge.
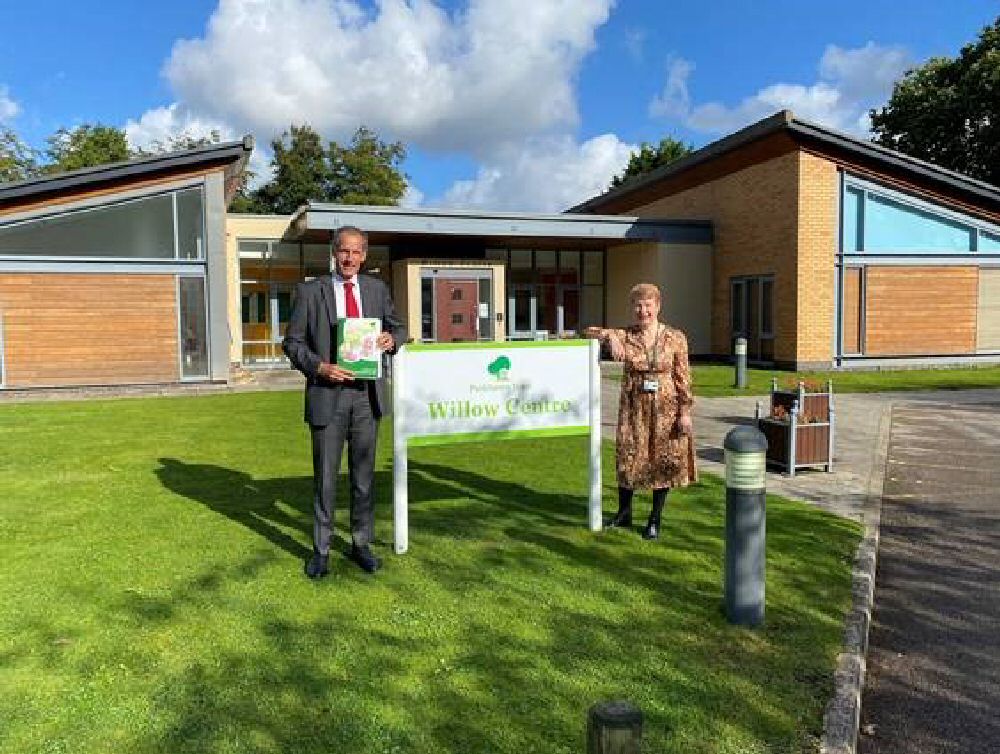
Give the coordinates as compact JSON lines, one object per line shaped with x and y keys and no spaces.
{"x":746,"y":458}
{"x":741,"y":363}
{"x":614,"y":728}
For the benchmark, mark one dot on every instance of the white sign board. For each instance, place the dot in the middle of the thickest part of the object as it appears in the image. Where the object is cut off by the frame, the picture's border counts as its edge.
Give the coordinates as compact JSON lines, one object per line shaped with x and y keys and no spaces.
{"x":471,"y":392}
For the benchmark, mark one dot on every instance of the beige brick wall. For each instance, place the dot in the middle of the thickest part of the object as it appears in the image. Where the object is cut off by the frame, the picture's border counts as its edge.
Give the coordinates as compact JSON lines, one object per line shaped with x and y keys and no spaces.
{"x":817,"y":243}
{"x":684,"y":274}
{"x":773,"y":218}
{"x":754,"y":213}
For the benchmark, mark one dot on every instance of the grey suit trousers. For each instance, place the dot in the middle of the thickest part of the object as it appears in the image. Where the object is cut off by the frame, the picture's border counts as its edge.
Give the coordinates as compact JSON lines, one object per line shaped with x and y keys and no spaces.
{"x":355,"y":422}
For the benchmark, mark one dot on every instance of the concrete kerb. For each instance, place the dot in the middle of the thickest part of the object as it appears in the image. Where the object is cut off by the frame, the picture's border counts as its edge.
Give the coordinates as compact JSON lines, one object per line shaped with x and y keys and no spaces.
{"x":843,"y":712}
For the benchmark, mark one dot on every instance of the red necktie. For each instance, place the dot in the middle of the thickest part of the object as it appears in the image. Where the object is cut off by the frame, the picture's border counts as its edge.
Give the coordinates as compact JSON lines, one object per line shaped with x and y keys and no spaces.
{"x":352,"y":303}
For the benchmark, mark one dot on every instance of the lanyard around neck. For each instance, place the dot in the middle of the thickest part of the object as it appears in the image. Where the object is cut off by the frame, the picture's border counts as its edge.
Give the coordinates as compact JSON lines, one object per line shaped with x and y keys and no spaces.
{"x":656,"y":349}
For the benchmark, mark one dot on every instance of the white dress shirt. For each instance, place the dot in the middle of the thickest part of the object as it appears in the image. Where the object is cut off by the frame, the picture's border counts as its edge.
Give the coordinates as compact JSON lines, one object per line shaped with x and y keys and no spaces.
{"x":340,"y":295}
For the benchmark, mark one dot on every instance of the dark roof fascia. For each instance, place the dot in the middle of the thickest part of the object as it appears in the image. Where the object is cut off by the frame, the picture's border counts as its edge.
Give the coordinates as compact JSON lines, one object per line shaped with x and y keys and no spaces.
{"x":718,"y":148}
{"x":226,"y":152}
{"x":829,"y":137}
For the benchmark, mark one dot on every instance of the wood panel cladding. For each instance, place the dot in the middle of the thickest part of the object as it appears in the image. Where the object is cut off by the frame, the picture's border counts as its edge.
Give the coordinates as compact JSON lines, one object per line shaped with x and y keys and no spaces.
{"x":89,"y":329}
{"x":852,"y":310}
{"x":920,"y":310}
{"x":988,"y":334}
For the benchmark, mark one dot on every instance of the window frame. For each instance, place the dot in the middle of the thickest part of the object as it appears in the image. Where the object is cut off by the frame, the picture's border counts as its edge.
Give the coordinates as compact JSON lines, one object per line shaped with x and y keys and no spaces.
{"x":47,"y":213}
{"x":975,"y":225}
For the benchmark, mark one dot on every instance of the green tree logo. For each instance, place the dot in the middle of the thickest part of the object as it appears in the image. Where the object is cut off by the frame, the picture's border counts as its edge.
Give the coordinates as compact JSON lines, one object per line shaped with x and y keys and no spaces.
{"x":499,"y":367}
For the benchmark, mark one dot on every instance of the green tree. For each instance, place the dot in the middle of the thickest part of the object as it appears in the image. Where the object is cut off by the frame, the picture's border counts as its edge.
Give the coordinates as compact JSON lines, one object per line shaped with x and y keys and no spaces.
{"x":649,"y":157}
{"x":85,"y":146}
{"x":301,"y":173}
{"x":947,"y":111}
{"x":367,"y":171}
{"x":17,"y":159}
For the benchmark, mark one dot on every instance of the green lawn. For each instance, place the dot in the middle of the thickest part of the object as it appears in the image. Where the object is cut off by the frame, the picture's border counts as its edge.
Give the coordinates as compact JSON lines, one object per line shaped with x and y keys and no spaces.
{"x":153,"y":598}
{"x":712,"y":380}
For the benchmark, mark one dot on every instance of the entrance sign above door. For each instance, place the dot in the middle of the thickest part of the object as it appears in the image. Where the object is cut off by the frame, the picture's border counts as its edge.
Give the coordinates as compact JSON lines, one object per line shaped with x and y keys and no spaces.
{"x":471,"y":392}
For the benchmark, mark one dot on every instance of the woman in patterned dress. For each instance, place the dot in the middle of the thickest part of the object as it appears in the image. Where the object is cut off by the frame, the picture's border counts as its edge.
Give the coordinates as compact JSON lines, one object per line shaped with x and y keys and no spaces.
{"x":654,"y":438}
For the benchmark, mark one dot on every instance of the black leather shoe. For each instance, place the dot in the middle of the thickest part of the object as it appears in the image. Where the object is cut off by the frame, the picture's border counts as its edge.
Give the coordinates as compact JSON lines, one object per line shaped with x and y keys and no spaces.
{"x":652,"y":531}
{"x":364,"y":557}
{"x":621,"y":520}
{"x":316,"y":567}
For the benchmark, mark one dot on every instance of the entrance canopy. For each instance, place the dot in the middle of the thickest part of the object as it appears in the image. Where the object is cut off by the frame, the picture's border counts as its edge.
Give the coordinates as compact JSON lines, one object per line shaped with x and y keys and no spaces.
{"x":315,"y":221}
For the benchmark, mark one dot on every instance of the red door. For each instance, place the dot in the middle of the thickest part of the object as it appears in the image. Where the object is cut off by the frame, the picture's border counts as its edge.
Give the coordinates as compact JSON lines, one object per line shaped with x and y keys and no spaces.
{"x":456,"y":309}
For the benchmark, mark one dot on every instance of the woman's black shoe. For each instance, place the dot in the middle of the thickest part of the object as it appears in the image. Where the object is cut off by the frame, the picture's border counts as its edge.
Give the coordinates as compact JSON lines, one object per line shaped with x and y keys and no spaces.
{"x":652,"y":531}
{"x":621,"y":520}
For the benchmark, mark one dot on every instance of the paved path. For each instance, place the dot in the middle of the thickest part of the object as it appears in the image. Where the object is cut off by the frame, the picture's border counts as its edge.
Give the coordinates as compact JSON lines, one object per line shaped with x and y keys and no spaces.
{"x":859,"y":418}
{"x":934,"y":650}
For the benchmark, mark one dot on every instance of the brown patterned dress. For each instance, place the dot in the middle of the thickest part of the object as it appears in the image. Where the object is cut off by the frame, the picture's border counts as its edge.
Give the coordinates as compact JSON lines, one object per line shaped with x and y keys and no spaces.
{"x":651,"y":453}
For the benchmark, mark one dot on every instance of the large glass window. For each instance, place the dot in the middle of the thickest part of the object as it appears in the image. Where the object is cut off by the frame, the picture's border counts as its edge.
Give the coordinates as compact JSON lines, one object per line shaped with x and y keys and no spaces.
{"x":593,"y":267}
{"x":190,"y":225}
{"x":316,"y":260}
{"x":852,"y":220}
{"x":892,"y":226}
{"x":989,"y":242}
{"x":193,"y":327}
{"x":137,"y":229}
{"x":880,"y":221}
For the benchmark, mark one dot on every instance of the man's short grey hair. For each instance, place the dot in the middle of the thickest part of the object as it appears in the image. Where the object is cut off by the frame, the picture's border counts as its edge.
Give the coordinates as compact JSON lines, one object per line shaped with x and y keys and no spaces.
{"x":350,"y":230}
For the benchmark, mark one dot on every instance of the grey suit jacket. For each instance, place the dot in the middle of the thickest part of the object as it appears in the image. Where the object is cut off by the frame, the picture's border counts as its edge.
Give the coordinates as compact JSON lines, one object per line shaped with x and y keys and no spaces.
{"x":311,"y":340}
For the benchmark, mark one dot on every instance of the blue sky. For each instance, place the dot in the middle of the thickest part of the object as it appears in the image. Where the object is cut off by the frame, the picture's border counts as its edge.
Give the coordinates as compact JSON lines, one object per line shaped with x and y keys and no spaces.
{"x":505,"y":104}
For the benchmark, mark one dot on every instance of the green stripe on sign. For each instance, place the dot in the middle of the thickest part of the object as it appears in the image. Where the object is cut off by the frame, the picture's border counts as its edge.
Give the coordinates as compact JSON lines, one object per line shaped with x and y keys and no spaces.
{"x":498,"y":344}
{"x":508,"y":434}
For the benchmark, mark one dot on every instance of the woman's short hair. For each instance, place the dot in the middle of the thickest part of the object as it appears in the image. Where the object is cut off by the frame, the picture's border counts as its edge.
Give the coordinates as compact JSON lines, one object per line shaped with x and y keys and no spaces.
{"x":644,"y":291}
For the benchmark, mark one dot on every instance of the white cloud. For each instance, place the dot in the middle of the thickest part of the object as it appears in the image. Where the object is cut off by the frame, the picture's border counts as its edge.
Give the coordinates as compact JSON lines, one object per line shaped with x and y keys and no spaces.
{"x":543,"y":174}
{"x":412,"y":197}
{"x":635,"y":43}
{"x":9,"y":109}
{"x":495,"y":72}
{"x":850,"y":82}
{"x":163,"y":123}
{"x":675,"y":101}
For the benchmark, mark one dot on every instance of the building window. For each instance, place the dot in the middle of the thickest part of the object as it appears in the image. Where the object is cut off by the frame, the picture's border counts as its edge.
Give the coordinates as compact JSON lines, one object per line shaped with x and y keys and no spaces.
{"x":892,"y":226}
{"x":456,"y":319}
{"x":165,"y":226}
{"x":456,"y":294}
{"x":882,"y":221}
{"x":193,"y":327}
{"x":751,"y":309}
{"x":989,"y":242}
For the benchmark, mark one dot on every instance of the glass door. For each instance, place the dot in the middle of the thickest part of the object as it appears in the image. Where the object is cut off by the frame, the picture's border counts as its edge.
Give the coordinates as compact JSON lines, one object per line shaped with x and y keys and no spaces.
{"x":568,"y":312}
{"x":456,"y":304}
{"x":522,"y":313}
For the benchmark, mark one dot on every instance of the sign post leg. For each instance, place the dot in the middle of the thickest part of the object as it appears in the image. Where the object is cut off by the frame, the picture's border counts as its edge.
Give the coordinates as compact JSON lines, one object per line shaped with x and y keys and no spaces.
{"x":400,"y":493}
{"x":595,"y":436}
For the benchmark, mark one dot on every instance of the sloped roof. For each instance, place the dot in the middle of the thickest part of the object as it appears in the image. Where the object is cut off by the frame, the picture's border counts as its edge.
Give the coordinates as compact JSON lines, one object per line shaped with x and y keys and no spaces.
{"x":233,"y":153}
{"x":804,"y":132}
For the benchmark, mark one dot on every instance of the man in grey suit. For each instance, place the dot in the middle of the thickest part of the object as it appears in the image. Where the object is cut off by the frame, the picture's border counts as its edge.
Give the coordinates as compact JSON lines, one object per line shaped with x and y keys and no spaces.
{"x":339,"y":407}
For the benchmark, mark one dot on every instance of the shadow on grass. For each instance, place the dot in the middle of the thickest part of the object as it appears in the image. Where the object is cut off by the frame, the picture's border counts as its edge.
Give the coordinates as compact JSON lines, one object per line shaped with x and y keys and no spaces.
{"x":550,"y":619}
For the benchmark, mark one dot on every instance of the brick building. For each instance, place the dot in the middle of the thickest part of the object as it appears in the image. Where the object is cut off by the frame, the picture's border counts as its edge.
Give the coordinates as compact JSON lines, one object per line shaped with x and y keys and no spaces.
{"x":831,"y":251}
{"x":820,"y":248}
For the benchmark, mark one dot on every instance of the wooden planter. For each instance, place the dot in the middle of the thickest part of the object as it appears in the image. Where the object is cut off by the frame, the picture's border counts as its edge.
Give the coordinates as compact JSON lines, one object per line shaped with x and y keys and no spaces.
{"x":804,"y":436}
